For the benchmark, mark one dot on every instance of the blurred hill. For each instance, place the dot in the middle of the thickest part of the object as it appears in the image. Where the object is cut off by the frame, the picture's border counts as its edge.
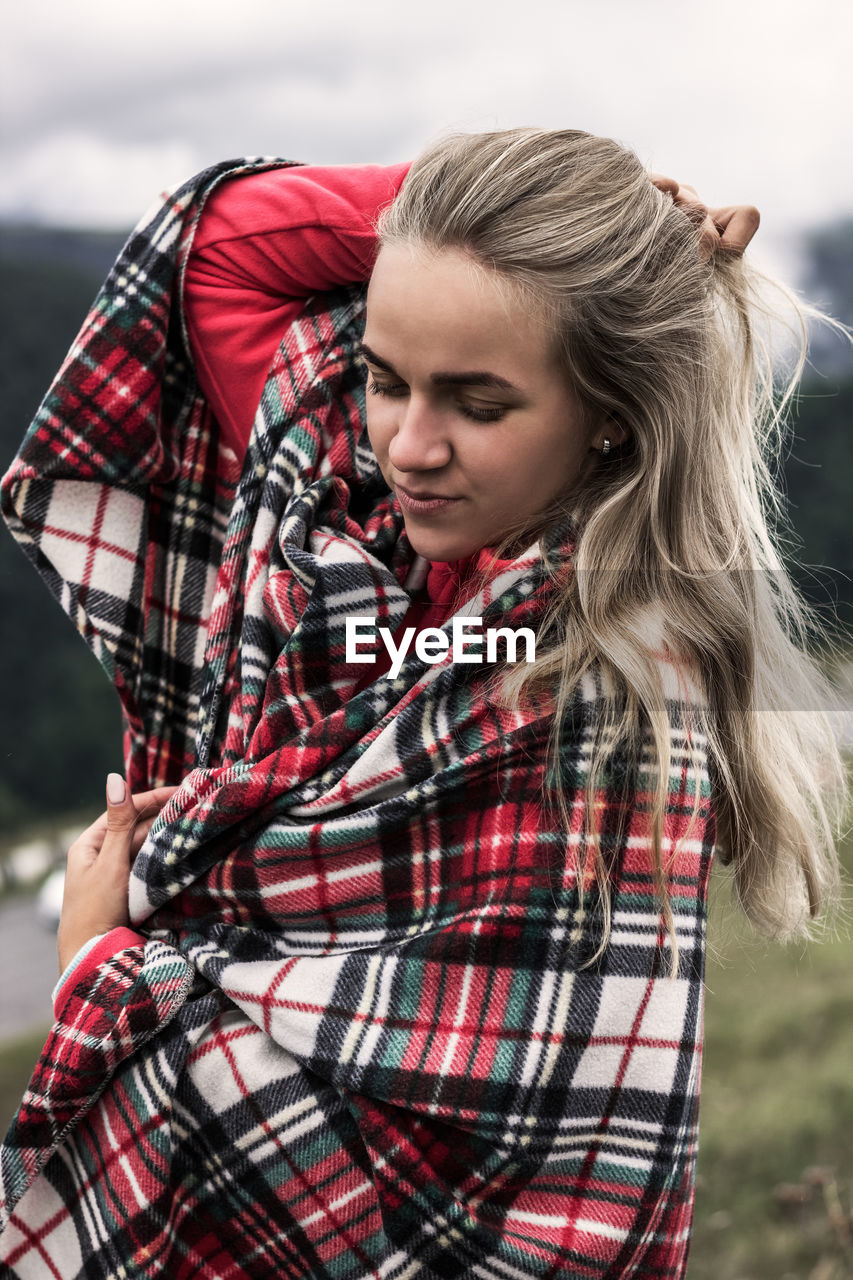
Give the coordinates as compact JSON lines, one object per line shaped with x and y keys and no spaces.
{"x":818,"y":471}
{"x":61,"y":718}
{"x":91,"y":253}
{"x":828,"y":284}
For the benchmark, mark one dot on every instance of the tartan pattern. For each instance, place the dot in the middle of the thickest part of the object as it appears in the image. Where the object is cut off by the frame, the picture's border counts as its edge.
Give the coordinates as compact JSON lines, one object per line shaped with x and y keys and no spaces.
{"x":363,"y":1038}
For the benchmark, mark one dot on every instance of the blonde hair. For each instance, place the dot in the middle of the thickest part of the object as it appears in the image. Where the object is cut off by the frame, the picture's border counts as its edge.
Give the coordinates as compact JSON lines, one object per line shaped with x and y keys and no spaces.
{"x":681,"y":519}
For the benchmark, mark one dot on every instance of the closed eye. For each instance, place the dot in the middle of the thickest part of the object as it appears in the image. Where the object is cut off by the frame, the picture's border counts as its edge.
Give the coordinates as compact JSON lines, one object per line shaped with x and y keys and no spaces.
{"x":386,"y":388}
{"x":479,"y":413}
{"x":475,"y":413}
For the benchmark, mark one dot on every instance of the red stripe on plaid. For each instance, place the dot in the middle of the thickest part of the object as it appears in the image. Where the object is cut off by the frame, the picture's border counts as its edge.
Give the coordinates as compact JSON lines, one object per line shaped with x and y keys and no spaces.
{"x":371,"y":875}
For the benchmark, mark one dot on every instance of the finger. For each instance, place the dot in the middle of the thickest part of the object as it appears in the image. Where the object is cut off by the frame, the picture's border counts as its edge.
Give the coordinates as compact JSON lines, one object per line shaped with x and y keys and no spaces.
{"x":688,"y":202}
{"x":682,"y":193}
{"x":128,"y":821}
{"x":667,"y":185}
{"x":709,"y":238}
{"x":156,"y":795}
{"x":107,"y":839}
{"x":140,"y":835}
{"x":122,"y":813}
{"x":151,"y":809}
{"x":93,"y":834}
{"x":124,"y":808}
{"x":114,"y":857}
{"x":736,"y":225}
{"x":154,"y":800}
{"x":88,"y":844}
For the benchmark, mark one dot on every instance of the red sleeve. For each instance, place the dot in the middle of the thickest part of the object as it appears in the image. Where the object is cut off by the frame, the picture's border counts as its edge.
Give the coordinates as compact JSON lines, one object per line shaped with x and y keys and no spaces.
{"x":265,"y":242}
{"x":88,"y":959}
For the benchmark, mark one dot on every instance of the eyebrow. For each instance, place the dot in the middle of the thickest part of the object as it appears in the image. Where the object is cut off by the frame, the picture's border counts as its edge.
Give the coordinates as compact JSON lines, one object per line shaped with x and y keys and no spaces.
{"x":472,"y":378}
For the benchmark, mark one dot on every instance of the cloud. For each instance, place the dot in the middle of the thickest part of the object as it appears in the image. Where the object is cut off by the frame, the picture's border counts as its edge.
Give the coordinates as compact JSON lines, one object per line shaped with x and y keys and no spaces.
{"x":77,"y":179}
{"x":107,"y":103}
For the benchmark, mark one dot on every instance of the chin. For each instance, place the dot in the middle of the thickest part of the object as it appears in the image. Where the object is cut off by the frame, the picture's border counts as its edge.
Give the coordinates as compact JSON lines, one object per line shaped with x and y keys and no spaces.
{"x":435,"y":547}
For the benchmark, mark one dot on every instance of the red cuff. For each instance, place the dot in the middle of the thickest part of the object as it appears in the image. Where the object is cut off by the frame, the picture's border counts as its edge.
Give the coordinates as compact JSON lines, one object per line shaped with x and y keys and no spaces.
{"x":104,"y":949}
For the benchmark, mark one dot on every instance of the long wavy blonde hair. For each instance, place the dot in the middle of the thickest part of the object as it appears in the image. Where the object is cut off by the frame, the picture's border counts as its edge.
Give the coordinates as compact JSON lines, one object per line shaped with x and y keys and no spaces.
{"x":684,"y":517}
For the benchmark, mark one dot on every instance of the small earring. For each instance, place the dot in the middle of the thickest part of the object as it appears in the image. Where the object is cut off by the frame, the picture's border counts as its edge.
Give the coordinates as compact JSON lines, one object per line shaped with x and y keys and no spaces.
{"x":605,"y":448}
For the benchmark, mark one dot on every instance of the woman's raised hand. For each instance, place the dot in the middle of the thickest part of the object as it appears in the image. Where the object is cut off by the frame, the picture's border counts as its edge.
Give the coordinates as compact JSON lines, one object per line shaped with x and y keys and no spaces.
{"x":729,"y":229}
{"x":98,"y":866}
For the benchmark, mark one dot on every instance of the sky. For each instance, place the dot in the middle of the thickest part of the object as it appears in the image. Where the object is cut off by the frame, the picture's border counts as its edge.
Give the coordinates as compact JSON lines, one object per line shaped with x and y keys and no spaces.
{"x":105,"y":105}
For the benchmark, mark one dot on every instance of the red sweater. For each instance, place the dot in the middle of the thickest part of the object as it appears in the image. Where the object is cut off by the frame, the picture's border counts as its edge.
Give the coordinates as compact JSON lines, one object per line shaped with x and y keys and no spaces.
{"x":264,"y":244}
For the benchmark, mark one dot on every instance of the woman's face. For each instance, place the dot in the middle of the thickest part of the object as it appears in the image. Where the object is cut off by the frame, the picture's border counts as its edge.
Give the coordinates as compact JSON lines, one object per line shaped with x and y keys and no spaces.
{"x":465,"y":400}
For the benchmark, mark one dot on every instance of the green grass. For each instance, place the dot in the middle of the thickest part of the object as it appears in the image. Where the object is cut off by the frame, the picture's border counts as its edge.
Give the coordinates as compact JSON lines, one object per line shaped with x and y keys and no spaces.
{"x":17,"y":1059}
{"x":776,"y":1122}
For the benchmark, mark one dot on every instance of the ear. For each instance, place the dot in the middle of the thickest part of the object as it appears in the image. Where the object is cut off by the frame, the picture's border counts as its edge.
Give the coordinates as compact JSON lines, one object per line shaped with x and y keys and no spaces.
{"x":612,"y":429}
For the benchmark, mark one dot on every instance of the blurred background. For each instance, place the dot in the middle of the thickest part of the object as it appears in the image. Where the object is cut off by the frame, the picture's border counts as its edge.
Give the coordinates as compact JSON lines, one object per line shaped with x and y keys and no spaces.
{"x":104,"y":106}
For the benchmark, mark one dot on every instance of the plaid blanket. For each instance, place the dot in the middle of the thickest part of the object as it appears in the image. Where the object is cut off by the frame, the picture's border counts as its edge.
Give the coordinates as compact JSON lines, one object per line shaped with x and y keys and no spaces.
{"x":360,"y":1035}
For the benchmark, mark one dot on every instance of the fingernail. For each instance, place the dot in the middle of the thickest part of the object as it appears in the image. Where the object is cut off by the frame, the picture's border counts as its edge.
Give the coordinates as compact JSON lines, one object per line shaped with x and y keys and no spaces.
{"x":116,"y":789}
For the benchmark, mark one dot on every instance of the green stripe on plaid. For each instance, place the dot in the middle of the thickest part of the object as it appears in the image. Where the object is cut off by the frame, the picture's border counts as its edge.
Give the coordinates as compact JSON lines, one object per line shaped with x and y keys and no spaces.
{"x":365,"y":1037}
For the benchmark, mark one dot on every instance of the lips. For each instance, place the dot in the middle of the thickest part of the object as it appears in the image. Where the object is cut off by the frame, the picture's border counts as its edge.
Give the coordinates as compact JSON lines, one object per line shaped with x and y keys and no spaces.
{"x":425,"y":497}
{"x":418,"y":505}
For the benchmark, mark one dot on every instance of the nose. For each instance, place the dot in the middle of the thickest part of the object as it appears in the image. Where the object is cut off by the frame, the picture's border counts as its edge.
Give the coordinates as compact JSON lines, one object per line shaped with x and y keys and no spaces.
{"x":420,"y":442}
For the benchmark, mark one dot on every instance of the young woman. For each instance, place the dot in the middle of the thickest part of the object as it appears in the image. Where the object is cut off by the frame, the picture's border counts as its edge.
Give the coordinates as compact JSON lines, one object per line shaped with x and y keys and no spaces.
{"x":408,"y":980}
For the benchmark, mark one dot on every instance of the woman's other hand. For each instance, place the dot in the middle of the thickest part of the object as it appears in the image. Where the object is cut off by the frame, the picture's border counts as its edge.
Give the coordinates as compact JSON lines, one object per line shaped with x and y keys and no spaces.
{"x":729,"y":229}
{"x":97,"y":873}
